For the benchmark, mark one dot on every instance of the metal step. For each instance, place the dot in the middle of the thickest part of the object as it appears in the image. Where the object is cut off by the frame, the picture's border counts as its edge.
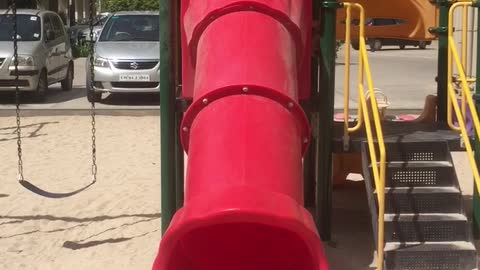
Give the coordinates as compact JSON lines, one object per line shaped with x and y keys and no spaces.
{"x":420,"y":174}
{"x":423,"y":200}
{"x":417,"y":151}
{"x":431,"y":256}
{"x":426,"y":227}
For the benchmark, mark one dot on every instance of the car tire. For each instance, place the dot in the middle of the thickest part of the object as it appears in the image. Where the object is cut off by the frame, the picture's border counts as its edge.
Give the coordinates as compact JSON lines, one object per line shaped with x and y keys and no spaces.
{"x":355,"y":46}
{"x":67,"y":83}
{"x":402,"y":47}
{"x":42,"y":87}
{"x":422,"y":45}
{"x":375,"y":45}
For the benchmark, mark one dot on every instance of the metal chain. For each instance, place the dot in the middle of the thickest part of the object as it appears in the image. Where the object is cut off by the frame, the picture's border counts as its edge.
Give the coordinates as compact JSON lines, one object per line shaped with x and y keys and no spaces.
{"x":17,"y":91}
{"x":93,"y":113}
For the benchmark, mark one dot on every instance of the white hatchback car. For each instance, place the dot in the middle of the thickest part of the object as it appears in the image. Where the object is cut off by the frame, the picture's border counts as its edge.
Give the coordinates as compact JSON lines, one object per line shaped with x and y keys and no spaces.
{"x":44,"y":53}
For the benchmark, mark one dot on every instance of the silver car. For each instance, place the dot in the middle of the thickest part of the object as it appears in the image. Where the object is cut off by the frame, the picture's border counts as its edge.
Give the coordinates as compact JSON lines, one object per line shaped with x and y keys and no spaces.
{"x":44,"y":53}
{"x":126,"y":55}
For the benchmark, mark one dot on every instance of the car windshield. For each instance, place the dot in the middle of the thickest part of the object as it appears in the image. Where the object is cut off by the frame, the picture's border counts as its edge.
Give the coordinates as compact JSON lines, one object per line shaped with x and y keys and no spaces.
{"x":131,"y":28}
{"x":28,"y":28}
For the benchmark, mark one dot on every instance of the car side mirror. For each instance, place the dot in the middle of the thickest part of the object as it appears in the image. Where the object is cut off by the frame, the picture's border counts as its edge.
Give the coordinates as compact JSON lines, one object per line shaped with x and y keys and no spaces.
{"x":50,"y":35}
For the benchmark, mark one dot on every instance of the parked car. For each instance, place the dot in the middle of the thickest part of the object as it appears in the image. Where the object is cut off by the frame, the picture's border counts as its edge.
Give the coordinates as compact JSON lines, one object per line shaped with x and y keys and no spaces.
{"x":376,"y":43}
{"x":44,"y":53}
{"x":81,"y":31}
{"x":126,"y":55}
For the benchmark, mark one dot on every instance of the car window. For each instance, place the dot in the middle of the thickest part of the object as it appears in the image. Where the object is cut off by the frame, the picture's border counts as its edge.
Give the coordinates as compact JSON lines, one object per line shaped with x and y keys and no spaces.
{"x":28,"y":27}
{"x":47,"y":25}
{"x":131,"y":28}
{"x":57,"y":26}
{"x":384,"y":22}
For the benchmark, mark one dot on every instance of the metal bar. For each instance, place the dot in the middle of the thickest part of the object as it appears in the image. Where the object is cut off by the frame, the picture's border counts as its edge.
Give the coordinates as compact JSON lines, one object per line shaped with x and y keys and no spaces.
{"x":309,"y":161}
{"x":325,"y":123}
{"x":476,"y":197}
{"x":442,"y":71}
{"x":346,"y":100}
{"x":177,"y":69}
{"x":167,"y":115}
{"x":449,"y":77}
{"x":464,"y":52}
{"x":179,"y":162}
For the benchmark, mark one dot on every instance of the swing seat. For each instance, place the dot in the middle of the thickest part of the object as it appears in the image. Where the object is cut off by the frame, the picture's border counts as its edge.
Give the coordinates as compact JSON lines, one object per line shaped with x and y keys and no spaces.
{"x":51,"y":195}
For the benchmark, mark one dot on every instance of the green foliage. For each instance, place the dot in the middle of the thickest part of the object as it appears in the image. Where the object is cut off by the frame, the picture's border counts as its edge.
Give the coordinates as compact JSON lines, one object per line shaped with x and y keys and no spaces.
{"x":124,"y":5}
{"x":81,"y":50}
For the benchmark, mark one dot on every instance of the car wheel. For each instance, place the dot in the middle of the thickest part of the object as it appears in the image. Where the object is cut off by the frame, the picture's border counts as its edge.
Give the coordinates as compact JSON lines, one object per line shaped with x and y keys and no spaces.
{"x":402,"y":47}
{"x":42,"y":87}
{"x":422,"y":45}
{"x":377,"y":45}
{"x":67,"y":83}
{"x":355,"y":46}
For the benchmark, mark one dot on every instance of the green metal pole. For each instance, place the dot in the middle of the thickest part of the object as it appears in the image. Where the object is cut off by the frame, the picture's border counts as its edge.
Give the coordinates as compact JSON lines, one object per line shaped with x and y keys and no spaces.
{"x":309,"y":161}
{"x":179,"y":162}
{"x":442,"y":69}
{"x":167,"y":115}
{"x":325,"y":123}
{"x":476,"y":197}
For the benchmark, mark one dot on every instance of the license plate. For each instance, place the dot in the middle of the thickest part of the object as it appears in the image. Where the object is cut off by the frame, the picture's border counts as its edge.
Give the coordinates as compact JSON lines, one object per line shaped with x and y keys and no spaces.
{"x":135,"y":78}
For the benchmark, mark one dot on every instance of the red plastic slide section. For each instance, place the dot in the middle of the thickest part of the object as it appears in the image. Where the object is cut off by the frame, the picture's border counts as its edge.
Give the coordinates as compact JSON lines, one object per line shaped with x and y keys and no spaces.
{"x":245,"y":64}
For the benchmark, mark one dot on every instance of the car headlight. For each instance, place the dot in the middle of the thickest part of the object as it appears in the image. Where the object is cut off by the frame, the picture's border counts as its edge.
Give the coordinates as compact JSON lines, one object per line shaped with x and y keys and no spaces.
{"x":24,"y":61}
{"x":101,"y":62}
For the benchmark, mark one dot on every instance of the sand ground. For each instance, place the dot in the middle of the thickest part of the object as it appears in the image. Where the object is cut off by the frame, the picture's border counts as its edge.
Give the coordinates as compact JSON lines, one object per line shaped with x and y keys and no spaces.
{"x":115,"y":225}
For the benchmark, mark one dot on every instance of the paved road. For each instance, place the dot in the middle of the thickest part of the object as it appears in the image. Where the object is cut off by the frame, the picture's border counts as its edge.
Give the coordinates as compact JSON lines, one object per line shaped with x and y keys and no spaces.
{"x":76,"y":99}
{"x":406,"y":76}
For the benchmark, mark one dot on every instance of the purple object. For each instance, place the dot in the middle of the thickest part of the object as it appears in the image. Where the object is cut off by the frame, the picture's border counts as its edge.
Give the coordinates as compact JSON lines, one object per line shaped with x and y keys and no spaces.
{"x":469,"y":121}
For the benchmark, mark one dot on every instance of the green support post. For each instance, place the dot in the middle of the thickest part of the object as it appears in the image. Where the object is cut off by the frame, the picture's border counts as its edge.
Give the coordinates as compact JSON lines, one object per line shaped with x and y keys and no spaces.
{"x":476,"y":197}
{"x":325,"y":120}
{"x":442,"y":69}
{"x":167,"y":115}
{"x":179,"y":162}
{"x":309,"y":161}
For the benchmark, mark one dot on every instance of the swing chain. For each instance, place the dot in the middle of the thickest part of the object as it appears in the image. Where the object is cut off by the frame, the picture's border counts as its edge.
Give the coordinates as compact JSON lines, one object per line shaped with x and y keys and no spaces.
{"x":92,"y":73}
{"x":17,"y":91}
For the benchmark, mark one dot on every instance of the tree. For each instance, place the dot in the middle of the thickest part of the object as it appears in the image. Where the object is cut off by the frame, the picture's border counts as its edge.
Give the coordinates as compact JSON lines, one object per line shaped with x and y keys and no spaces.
{"x":24,"y":3}
{"x":124,"y":5}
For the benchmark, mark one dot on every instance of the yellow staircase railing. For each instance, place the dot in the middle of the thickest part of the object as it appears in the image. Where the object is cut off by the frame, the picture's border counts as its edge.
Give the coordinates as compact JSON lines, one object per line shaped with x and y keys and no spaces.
{"x":461,"y":113}
{"x":378,"y":163}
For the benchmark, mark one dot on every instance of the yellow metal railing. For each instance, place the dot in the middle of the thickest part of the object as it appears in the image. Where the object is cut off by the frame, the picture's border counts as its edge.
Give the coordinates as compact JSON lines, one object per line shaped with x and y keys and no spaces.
{"x":467,"y":99}
{"x":464,"y":56}
{"x":378,"y":163}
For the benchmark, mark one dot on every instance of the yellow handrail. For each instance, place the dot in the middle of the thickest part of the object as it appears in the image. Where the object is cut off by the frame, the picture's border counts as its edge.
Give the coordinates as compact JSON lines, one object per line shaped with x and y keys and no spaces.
{"x":346,"y":96}
{"x":464,"y":57}
{"x":459,"y":113}
{"x":378,"y":168}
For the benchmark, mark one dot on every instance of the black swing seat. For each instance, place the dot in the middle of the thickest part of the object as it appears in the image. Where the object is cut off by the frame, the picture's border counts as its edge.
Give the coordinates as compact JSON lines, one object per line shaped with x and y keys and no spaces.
{"x":52,"y":195}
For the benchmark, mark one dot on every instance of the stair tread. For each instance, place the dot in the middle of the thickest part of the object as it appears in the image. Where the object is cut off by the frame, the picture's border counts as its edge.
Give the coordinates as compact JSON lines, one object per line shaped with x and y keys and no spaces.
{"x":429,"y":246}
{"x":420,"y":190}
{"x":425,"y":217}
{"x":417,"y":164}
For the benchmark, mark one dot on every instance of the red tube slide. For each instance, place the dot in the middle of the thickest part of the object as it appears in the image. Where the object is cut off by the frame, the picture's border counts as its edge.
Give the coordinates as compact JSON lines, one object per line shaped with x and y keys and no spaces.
{"x":245,"y":66}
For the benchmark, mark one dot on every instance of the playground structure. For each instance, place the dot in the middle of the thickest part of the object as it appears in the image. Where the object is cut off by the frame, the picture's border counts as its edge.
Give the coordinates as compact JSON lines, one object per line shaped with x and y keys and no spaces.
{"x":232,"y":92}
{"x":238,"y":95}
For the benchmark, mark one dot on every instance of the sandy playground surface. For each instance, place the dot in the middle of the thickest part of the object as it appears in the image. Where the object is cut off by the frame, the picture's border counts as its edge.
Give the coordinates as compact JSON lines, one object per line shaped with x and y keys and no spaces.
{"x":115,"y":225}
